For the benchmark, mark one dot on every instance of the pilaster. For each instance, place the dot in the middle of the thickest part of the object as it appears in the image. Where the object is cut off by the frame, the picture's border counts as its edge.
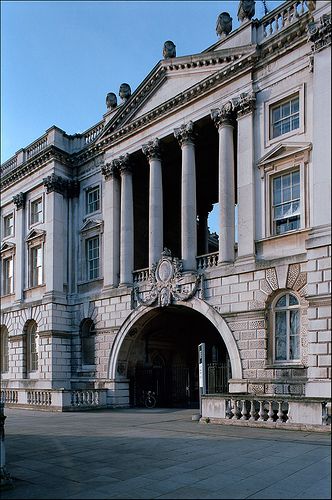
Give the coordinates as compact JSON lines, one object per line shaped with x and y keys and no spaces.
{"x":19,"y":202}
{"x":126,"y":221}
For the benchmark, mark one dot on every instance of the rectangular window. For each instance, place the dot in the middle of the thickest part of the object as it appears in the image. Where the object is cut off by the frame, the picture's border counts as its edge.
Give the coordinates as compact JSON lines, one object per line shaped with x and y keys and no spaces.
{"x":36,"y":211}
{"x":8,"y":276}
{"x":36,"y":266}
{"x":8,"y":225}
{"x":93,"y":258}
{"x":284,"y":117}
{"x":93,"y":200}
{"x":286,"y":202}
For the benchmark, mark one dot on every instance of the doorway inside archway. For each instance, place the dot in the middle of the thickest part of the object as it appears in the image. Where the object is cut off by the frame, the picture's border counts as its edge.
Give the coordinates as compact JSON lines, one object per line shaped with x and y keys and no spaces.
{"x":163,"y":358}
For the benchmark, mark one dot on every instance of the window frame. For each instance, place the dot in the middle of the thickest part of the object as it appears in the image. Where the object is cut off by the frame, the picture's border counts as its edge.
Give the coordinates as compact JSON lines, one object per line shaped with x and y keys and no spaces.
{"x":92,"y":228}
{"x":32,"y":355}
{"x":88,"y":324}
{"x":287,"y":308}
{"x":7,"y":280}
{"x":88,"y":190}
{"x":6,"y":216}
{"x":273,"y":227}
{"x":32,"y":202}
{"x":32,"y":249}
{"x":88,"y":260}
{"x":283,"y":163}
{"x":280,"y":99}
{"x":4,"y":363}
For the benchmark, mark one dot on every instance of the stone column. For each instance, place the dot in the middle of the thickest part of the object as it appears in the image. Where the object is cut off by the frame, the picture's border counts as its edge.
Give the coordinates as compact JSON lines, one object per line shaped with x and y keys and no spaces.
{"x":152,"y":151}
{"x":111,"y":204}
{"x":223,"y":119}
{"x":245,"y":106}
{"x":127,"y":222}
{"x":19,"y":201}
{"x":185,"y":136}
{"x":55,"y":257}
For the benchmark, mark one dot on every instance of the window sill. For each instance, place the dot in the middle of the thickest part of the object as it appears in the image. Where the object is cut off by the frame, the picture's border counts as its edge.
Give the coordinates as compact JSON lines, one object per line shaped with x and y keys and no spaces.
{"x":87,"y":282}
{"x":5,"y":295}
{"x":8,"y":236}
{"x":34,"y":287}
{"x":286,"y":365}
{"x":288,"y":233}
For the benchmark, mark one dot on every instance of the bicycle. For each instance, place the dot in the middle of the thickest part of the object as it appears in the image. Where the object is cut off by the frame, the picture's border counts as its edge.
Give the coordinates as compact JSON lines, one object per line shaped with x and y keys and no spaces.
{"x":149,"y":399}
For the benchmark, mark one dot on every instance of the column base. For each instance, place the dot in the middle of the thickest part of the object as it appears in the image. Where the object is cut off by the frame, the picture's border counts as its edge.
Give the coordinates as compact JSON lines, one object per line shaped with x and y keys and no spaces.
{"x":246,"y":259}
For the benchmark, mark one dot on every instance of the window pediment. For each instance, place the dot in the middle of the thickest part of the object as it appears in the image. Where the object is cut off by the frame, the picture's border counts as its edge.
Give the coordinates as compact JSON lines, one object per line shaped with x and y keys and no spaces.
{"x":7,"y":248}
{"x":92,"y":224}
{"x":35,"y":236}
{"x":285,"y":151}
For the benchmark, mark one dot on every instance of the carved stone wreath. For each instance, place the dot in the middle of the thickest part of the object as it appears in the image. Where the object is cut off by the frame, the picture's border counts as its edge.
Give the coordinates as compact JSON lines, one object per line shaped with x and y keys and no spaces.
{"x":165,"y":278}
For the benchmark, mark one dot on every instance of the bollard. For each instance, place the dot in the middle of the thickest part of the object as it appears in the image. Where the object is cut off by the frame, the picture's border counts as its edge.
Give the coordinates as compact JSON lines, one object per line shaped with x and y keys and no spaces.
{"x":5,"y":479}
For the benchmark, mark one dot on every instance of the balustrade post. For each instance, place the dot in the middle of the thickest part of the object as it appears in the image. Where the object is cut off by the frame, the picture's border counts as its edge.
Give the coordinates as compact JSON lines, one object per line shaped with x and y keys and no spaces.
{"x":271,"y":412}
{"x":252,"y":411}
{"x":280,"y":412}
{"x":244,"y":410}
{"x":261,"y":411}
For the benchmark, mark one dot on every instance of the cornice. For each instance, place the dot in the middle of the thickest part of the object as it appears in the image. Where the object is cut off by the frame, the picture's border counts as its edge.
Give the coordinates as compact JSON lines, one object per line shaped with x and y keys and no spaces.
{"x":51,"y":153}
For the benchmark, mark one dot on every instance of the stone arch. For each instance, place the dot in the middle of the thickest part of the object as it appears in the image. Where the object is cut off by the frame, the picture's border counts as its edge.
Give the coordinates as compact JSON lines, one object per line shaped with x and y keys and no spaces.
{"x":195,"y":304}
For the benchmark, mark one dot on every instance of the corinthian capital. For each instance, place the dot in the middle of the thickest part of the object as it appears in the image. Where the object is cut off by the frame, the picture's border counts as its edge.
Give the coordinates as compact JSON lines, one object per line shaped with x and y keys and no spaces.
{"x":123,"y":164}
{"x":224,"y":115}
{"x":152,"y":149}
{"x":244,"y":104}
{"x":55,"y":183}
{"x":19,"y":200}
{"x":110,"y":170}
{"x":185,"y":133}
{"x":320,"y":33}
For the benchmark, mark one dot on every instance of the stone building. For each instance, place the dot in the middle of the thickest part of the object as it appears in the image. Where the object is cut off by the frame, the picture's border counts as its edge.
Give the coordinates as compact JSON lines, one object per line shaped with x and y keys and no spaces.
{"x":110,"y":275}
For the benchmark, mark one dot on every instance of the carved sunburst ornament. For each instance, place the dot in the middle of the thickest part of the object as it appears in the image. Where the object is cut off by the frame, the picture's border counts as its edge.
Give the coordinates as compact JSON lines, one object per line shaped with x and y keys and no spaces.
{"x":165,"y":278}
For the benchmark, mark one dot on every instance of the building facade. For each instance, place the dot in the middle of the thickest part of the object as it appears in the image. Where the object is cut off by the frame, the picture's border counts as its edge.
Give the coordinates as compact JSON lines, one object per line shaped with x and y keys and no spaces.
{"x":111,"y":277}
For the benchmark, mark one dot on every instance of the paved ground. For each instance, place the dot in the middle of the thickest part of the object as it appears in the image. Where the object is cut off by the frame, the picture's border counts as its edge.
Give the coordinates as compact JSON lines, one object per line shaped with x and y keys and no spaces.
{"x":159,"y":454}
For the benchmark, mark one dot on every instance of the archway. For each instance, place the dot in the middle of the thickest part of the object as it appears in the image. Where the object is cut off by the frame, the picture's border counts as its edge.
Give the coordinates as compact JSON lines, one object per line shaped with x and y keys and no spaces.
{"x":156,"y":349}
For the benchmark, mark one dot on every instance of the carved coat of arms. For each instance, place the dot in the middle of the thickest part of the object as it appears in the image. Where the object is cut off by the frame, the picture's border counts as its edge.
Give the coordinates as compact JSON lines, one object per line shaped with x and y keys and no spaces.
{"x":166,"y":287}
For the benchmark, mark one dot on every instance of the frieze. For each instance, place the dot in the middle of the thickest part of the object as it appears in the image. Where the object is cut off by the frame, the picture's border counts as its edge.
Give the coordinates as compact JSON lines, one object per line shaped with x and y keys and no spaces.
{"x":166,"y":286}
{"x":19,"y":200}
{"x":185,"y":134}
{"x":152,"y":149}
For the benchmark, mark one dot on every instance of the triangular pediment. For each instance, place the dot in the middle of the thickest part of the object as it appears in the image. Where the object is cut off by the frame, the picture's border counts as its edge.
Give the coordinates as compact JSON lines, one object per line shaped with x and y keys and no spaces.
{"x":170,"y":79}
{"x":91,"y":224}
{"x":8,"y":246}
{"x":34,"y":234}
{"x":284,"y":150}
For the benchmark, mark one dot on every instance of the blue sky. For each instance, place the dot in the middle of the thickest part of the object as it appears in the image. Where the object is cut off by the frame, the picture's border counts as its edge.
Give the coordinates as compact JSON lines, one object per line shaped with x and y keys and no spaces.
{"x":59,"y":59}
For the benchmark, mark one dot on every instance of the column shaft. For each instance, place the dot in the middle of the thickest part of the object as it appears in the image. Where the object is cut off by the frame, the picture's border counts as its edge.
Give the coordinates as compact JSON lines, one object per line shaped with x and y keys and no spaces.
{"x":20,"y":255}
{"x":126,"y":227}
{"x":155,"y":211}
{"x":226,"y":194}
{"x":111,"y":203}
{"x":188,"y":207}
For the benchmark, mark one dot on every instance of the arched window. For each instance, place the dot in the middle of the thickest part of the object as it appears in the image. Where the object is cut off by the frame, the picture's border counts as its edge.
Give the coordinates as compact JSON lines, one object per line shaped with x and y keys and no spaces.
{"x":4,"y":360}
{"x":286,"y":326}
{"x":32,"y":347}
{"x":88,"y":342}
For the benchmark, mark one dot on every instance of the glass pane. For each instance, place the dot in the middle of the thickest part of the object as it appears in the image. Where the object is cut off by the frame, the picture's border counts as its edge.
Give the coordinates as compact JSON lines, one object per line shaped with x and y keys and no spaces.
{"x":296,"y":208}
{"x":276,"y":130}
{"x":287,"y":209}
{"x":287,"y":194}
{"x":281,"y":302}
{"x":277,"y":190}
{"x":285,"y":109}
{"x":278,"y":212}
{"x":296,"y":191}
{"x":286,"y":126}
{"x":286,"y":181}
{"x":294,"y":321}
{"x":293,"y":300}
{"x":294,"y":347}
{"x":276,"y":114}
{"x":294,"y":223}
{"x":280,"y":335}
{"x":295,"y":105}
{"x":295,"y":122}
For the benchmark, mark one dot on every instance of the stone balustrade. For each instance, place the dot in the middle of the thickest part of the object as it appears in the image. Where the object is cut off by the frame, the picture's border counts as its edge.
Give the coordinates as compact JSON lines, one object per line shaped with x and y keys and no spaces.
{"x":207,"y":261}
{"x":91,"y":134}
{"x":55,"y":399}
{"x":36,"y":147}
{"x":141,"y":275}
{"x":267,"y":411}
{"x":280,"y":18}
